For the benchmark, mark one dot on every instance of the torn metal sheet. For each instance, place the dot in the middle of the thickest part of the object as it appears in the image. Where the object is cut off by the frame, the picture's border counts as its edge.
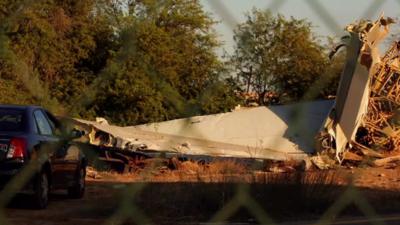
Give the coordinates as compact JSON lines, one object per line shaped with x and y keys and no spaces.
{"x":276,"y":132}
{"x":352,"y":99}
{"x":100,"y":133}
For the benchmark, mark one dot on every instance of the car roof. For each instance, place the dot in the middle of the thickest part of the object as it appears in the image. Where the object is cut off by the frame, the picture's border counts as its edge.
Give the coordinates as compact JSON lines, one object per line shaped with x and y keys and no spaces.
{"x":20,"y":107}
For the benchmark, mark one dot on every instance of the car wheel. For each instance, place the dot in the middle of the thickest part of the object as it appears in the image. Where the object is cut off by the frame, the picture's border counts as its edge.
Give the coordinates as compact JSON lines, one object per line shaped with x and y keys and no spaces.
{"x":78,"y":190}
{"x":41,"y":191}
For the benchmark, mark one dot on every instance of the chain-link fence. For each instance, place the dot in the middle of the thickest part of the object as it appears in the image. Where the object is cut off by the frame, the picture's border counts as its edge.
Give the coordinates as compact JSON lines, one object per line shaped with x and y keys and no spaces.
{"x":235,"y":196}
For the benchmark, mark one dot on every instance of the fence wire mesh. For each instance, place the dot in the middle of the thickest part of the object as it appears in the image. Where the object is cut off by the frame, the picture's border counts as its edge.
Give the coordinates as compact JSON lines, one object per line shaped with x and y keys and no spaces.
{"x":125,"y":209}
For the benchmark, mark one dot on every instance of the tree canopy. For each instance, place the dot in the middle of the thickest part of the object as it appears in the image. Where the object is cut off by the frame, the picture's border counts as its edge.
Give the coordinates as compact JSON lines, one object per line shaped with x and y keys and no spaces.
{"x":129,"y":61}
{"x":139,"y":61}
{"x":278,"y":55}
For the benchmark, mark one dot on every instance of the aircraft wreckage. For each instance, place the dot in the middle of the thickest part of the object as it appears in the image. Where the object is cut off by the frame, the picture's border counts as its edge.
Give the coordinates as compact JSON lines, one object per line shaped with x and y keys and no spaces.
{"x":361,"y":123}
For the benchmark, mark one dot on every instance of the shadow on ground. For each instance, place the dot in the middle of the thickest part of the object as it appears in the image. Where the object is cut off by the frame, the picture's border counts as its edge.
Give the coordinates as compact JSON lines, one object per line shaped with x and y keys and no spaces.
{"x":171,"y":203}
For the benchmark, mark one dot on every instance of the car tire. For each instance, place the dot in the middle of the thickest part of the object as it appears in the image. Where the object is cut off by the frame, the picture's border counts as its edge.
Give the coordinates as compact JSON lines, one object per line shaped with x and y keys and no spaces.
{"x":41,"y":191}
{"x":78,"y":190}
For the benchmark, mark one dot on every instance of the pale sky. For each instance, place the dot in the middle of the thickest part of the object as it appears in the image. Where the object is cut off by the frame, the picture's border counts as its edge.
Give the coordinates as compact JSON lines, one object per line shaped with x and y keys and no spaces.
{"x":231,"y":12}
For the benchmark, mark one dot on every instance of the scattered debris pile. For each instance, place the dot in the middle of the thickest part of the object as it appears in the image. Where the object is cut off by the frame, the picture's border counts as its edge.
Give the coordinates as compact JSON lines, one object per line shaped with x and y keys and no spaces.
{"x":381,"y":126}
{"x":364,"y":124}
{"x":249,"y":134}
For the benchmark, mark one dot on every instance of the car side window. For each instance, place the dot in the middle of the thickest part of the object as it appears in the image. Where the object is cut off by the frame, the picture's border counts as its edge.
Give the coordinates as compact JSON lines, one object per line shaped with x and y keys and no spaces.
{"x":42,"y":123}
{"x":55,"y":125}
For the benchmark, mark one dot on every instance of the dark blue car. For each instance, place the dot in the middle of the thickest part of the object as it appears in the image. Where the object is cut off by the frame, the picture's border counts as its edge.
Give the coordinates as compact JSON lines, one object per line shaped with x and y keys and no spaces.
{"x":38,"y":148}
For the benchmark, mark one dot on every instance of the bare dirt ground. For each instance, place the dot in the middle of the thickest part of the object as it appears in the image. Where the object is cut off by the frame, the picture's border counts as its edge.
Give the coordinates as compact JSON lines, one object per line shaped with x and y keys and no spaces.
{"x":175,"y":197}
{"x":97,"y":205}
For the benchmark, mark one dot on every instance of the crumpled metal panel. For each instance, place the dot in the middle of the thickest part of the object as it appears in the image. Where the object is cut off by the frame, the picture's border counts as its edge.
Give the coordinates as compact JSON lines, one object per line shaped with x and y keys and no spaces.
{"x":276,"y":132}
{"x":354,"y":88}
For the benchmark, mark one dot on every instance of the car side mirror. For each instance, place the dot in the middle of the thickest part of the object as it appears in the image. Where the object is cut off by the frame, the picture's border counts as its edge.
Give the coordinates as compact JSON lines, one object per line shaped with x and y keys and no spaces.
{"x":77,"y":133}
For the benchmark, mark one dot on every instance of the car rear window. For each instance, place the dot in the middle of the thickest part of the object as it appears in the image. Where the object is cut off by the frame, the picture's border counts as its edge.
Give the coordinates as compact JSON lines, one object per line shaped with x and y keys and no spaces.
{"x":11,"y":120}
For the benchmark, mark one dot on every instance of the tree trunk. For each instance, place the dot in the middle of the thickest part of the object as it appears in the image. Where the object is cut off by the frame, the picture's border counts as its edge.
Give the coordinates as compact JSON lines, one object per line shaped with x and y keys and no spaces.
{"x":261,"y":97}
{"x":250,"y":75}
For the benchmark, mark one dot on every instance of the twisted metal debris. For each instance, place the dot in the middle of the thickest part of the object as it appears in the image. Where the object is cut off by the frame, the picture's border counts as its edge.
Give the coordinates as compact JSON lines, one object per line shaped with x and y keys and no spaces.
{"x":364,"y":124}
{"x":382,"y":121}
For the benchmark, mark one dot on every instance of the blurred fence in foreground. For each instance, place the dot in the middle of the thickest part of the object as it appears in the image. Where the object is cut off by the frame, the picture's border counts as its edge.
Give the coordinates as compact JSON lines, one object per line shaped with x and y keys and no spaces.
{"x":243,"y":198}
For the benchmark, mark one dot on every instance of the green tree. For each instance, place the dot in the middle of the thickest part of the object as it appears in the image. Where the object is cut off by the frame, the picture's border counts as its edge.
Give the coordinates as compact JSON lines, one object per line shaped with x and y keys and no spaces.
{"x":166,"y":67}
{"x":276,"y":54}
{"x":17,"y":81}
{"x":57,"y":41}
{"x":128,"y":60}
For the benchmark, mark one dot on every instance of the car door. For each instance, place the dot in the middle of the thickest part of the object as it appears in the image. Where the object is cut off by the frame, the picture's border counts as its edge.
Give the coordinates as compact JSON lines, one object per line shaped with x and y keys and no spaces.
{"x":49,"y":142}
{"x":65,"y":158}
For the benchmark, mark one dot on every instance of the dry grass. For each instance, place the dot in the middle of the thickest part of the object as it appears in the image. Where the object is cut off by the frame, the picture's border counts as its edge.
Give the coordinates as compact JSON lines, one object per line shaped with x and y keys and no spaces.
{"x":223,"y":171}
{"x":218,"y":171}
{"x":283,"y":195}
{"x":226,"y":167}
{"x":191,"y":167}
